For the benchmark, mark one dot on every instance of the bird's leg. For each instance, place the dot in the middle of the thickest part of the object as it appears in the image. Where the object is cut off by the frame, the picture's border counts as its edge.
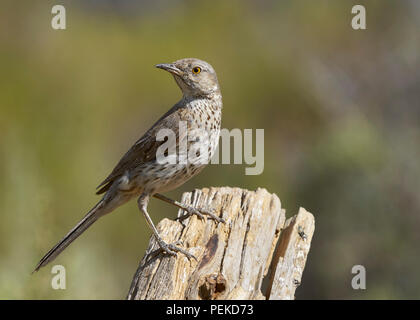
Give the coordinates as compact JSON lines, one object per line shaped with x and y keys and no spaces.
{"x":169,"y":248}
{"x":189,"y":209}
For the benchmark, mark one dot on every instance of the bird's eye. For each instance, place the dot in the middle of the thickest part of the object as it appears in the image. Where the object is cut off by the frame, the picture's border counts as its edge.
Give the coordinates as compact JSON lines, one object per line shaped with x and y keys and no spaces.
{"x":196,"y":70}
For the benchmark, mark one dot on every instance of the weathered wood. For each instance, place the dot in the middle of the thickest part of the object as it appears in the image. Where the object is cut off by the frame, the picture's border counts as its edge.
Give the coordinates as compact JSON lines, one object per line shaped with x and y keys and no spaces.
{"x":290,"y":256}
{"x":234,"y":258}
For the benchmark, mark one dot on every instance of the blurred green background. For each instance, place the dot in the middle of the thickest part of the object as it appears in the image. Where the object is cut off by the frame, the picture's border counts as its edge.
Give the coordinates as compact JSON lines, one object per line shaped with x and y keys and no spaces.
{"x":340,"y":109}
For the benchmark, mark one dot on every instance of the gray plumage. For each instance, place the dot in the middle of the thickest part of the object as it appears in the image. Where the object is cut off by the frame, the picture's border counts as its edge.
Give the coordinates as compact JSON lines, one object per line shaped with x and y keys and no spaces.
{"x":140,"y":174}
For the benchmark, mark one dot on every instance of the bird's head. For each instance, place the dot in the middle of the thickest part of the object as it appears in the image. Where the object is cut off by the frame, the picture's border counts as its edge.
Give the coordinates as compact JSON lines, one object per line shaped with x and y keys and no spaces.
{"x":195,"y":77}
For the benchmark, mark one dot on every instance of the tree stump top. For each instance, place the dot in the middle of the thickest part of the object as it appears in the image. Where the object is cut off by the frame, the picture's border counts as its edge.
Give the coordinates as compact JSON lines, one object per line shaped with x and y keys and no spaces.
{"x":255,"y":254}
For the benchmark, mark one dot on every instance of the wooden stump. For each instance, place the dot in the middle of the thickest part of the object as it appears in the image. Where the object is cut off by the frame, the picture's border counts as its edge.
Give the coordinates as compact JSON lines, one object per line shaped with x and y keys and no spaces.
{"x":256,"y":254}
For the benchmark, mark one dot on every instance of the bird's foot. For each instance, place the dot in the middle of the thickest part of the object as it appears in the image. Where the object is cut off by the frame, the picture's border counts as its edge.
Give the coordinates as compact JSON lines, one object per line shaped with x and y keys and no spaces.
{"x":172,"y":249}
{"x":200,"y":213}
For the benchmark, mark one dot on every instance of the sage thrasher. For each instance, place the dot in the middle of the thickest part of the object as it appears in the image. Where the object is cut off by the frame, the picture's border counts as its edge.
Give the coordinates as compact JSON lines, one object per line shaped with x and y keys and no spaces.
{"x":140,"y":174}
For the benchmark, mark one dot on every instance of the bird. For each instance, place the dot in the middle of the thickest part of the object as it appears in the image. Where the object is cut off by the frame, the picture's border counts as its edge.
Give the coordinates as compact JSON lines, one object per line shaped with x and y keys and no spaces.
{"x":144,"y":170}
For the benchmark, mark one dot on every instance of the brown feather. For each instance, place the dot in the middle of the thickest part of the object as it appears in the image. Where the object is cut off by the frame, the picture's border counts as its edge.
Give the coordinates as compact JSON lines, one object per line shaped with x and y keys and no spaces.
{"x":144,"y":150}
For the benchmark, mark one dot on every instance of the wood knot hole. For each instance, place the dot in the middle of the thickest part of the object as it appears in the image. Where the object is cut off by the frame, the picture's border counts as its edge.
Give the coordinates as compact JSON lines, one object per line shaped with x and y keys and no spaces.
{"x":212,"y":286}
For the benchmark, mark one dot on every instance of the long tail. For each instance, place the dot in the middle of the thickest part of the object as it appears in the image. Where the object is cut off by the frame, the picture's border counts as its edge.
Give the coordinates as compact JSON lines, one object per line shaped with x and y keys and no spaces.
{"x":94,"y":214}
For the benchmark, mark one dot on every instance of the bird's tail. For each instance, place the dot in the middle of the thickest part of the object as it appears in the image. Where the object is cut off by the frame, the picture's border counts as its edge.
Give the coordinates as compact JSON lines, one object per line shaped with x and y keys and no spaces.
{"x":94,"y":214}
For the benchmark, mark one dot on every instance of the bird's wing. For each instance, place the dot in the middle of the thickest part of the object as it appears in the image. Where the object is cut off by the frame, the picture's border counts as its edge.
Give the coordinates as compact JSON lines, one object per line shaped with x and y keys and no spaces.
{"x":144,"y":150}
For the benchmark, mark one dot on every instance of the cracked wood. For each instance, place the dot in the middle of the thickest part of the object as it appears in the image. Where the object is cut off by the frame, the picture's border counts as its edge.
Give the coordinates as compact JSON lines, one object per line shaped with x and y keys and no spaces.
{"x":240,"y":259}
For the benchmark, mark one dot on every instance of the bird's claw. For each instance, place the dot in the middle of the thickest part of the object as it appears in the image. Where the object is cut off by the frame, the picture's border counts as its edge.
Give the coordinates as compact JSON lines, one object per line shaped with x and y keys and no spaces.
{"x":172,"y":249}
{"x":200,"y":213}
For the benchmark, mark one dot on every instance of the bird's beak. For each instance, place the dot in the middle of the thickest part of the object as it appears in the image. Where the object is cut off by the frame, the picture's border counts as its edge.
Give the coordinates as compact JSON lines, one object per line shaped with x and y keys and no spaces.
{"x":170,"y":67}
